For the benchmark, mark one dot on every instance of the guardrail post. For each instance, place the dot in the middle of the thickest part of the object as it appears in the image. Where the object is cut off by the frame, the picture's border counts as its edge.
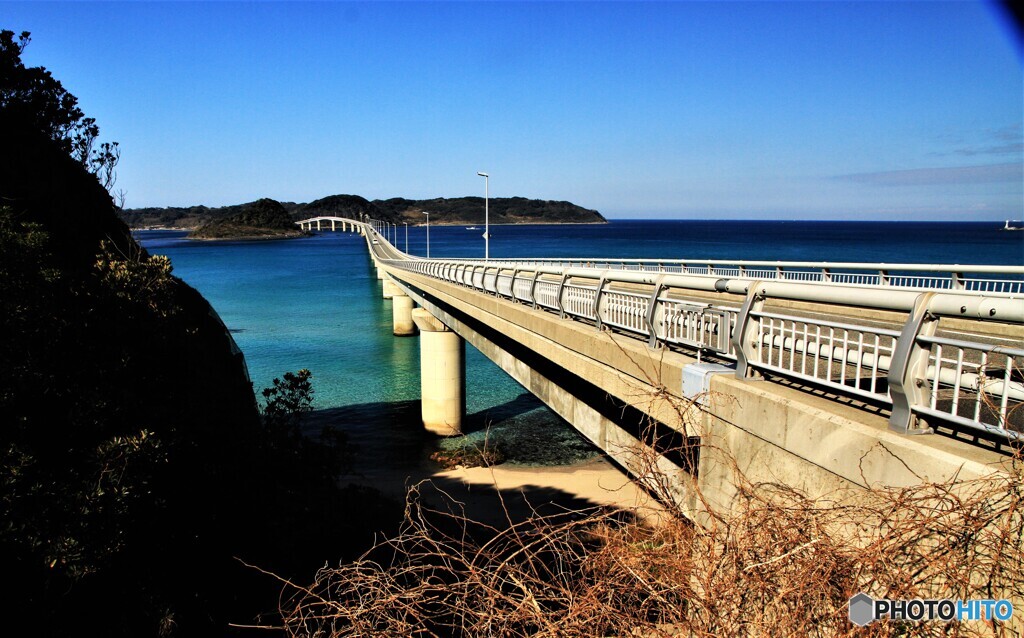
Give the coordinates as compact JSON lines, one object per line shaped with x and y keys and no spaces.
{"x":512,"y":286}
{"x":597,"y":301}
{"x":652,"y":307}
{"x":558,"y":297}
{"x":958,"y":281}
{"x":908,"y":370}
{"x":533,"y":289}
{"x":497,"y":281}
{"x":746,"y":336}
{"x":883,"y":278}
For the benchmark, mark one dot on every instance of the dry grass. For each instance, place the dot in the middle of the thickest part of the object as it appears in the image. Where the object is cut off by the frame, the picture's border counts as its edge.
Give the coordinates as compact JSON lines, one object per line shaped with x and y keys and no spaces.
{"x":779,"y":564}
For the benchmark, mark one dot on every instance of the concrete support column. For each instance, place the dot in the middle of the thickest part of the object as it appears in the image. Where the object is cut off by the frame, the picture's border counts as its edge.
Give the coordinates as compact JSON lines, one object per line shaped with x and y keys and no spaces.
{"x":442,"y":375}
{"x":318,"y":224}
{"x":332,"y":225}
{"x":401,"y":312}
{"x":380,"y":272}
{"x":390,"y":289}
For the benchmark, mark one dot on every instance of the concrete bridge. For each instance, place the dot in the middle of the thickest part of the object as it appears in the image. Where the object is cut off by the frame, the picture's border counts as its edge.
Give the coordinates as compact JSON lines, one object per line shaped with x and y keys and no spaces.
{"x":820,"y":376}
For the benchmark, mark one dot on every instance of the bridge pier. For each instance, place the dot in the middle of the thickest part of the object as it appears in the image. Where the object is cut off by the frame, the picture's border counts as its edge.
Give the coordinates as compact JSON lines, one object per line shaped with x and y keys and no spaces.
{"x":390,"y":289}
{"x":402,"y":324}
{"x":442,"y":375}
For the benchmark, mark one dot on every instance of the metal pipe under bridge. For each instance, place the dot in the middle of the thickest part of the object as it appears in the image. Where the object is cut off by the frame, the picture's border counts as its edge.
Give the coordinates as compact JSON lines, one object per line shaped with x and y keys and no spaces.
{"x":818,"y":375}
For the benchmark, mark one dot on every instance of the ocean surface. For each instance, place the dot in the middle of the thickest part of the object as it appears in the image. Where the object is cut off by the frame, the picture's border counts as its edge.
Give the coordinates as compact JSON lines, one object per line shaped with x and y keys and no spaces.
{"x":316,"y":303}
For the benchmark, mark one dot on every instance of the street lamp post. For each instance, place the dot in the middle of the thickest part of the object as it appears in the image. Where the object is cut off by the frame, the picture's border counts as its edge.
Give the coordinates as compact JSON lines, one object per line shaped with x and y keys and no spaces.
{"x":428,"y":233}
{"x":487,"y":214}
{"x":406,"y":237}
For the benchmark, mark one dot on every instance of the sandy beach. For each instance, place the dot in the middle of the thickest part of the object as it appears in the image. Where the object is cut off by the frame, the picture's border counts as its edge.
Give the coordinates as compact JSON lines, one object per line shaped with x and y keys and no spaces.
{"x":508,"y":493}
{"x":391,"y":453}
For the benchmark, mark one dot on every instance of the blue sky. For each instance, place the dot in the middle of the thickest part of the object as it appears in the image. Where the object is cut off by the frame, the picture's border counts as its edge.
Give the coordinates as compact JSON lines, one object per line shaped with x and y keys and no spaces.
{"x":826,"y":110}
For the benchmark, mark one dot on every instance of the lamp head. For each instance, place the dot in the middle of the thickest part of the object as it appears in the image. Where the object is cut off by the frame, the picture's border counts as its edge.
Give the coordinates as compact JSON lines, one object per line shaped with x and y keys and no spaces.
{"x":482,"y":174}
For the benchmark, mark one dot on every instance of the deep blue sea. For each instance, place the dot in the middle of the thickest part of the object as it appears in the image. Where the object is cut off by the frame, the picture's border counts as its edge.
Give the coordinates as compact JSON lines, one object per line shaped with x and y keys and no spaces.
{"x":316,"y":303}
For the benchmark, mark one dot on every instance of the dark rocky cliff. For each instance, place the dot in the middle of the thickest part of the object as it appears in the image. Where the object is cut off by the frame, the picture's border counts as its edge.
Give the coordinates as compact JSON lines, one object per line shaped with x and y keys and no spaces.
{"x":120,"y":394}
{"x":134,"y":465}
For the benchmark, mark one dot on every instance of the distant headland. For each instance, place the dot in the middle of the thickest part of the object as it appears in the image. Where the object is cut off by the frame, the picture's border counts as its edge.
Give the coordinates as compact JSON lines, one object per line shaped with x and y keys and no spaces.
{"x":267,"y":218}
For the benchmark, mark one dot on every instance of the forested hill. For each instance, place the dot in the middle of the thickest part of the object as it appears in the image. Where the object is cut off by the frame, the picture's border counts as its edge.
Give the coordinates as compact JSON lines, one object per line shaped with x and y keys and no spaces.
{"x":458,"y":210}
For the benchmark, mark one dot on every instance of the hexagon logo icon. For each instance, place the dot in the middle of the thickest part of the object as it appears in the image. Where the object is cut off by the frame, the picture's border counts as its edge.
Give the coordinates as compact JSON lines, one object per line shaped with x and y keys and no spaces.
{"x":862,"y":609}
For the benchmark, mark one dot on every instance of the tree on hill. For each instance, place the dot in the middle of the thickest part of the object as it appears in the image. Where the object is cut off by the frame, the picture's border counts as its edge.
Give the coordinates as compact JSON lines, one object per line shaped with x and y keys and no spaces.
{"x":32,"y":97}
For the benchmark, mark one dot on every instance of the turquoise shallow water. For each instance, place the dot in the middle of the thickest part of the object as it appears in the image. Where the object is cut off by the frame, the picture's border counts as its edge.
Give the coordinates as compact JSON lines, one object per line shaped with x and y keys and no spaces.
{"x":315,"y":303}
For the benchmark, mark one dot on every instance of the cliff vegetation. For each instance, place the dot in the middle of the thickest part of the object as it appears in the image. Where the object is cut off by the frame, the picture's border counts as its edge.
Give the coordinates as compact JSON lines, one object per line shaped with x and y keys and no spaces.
{"x":136,"y":466}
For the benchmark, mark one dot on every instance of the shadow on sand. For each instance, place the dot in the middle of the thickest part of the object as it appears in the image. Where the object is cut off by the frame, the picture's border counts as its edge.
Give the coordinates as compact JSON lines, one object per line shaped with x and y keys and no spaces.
{"x":391,"y":453}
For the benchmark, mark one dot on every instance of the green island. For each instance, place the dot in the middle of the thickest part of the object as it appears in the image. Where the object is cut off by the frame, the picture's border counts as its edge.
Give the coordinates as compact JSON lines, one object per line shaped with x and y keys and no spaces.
{"x":262,"y":219}
{"x":270,"y":219}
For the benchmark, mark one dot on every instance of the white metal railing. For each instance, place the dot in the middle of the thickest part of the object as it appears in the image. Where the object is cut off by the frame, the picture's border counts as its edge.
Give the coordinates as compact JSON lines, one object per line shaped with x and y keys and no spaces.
{"x":971,"y":383}
{"x":924,"y":378}
{"x":1002,"y":280}
{"x":852,"y":358}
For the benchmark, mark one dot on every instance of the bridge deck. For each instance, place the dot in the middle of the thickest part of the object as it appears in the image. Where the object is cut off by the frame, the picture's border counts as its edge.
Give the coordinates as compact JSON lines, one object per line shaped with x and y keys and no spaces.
{"x":853,"y":359}
{"x":931,"y":345}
